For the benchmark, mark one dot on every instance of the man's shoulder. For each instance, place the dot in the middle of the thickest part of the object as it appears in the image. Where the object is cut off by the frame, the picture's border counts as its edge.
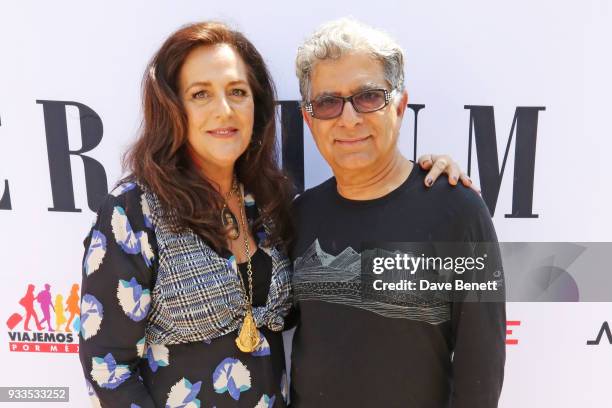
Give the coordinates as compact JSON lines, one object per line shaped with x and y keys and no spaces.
{"x":314,"y":194}
{"x":457,"y":200}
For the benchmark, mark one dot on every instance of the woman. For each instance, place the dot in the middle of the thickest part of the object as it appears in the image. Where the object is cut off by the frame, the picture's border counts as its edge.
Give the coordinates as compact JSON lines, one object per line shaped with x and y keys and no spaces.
{"x":185,"y":278}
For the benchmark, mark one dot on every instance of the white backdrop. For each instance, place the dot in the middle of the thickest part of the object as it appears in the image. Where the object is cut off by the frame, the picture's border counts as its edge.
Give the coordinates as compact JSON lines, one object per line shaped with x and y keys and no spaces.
{"x":524,"y":53}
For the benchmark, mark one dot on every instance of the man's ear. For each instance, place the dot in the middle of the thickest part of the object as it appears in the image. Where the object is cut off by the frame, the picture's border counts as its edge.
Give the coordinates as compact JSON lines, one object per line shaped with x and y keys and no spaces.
{"x":307,"y":117}
{"x":402,"y":104}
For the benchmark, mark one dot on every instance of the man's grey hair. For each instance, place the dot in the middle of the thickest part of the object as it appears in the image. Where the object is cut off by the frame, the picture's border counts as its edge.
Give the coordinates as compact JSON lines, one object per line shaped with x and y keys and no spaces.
{"x":346,"y":35}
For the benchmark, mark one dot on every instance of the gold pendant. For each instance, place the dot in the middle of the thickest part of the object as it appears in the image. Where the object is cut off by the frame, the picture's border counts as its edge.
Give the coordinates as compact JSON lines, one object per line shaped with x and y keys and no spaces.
{"x":248,"y":339}
{"x":230,"y":223}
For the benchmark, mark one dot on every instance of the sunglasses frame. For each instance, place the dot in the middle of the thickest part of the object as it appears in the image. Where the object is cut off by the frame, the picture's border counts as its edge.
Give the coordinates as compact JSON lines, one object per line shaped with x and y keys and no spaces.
{"x":308,"y":105}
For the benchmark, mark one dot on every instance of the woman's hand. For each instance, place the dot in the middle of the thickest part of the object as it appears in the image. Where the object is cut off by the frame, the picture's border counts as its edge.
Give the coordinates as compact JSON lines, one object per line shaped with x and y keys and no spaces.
{"x":443,"y":163}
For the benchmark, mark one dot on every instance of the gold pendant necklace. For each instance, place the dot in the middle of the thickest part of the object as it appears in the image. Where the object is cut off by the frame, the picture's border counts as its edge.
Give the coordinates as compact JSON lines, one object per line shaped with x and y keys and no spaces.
{"x":228,"y":219}
{"x":249,"y":338}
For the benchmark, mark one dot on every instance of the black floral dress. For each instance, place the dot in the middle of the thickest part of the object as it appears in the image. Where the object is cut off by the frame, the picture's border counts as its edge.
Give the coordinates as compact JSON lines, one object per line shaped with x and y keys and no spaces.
{"x":160,"y":313}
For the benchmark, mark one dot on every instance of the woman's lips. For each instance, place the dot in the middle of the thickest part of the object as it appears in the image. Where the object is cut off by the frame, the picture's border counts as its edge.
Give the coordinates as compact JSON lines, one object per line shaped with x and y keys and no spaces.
{"x":223,"y":133}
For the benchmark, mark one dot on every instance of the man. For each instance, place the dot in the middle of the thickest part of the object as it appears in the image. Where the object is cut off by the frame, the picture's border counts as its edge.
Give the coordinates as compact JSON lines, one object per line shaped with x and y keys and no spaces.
{"x":349,"y":351}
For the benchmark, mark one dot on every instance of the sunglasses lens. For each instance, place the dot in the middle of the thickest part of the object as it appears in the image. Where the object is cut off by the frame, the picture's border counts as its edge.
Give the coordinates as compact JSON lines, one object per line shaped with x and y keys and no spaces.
{"x":369,"y":101}
{"x":327,"y":107}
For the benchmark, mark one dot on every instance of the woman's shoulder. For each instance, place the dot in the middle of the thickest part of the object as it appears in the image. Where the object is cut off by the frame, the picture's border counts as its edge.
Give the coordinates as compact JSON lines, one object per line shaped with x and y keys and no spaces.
{"x":128,"y":198}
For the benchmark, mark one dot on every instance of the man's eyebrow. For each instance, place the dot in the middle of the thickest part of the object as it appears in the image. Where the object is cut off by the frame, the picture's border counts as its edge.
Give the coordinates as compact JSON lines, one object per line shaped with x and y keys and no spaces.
{"x":360,"y":88}
{"x":366,"y":87}
{"x":326,"y":93}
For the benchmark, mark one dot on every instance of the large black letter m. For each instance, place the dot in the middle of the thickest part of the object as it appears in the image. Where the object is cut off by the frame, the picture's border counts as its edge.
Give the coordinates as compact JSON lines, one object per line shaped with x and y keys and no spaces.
{"x":482,"y":126}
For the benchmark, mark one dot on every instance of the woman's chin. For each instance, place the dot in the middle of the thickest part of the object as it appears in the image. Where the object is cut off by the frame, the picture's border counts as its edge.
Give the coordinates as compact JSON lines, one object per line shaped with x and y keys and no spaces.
{"x":225,"y":161}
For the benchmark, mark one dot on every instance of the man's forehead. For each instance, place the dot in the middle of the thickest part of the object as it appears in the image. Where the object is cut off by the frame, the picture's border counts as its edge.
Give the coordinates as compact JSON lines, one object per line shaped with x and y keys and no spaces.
{"x":349,"y":73}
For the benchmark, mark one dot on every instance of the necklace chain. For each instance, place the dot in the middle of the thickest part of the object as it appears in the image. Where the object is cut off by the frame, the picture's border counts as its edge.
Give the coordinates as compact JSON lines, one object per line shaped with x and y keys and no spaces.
{"x":248,"y":298}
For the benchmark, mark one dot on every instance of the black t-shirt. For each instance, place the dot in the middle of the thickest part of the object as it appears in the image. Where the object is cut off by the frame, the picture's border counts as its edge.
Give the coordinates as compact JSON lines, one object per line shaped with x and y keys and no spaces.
{"x":347,"y":353}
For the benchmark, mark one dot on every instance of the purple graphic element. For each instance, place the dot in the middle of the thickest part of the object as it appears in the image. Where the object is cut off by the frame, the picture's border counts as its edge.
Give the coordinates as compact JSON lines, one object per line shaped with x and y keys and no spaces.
{"x":46,"y":304}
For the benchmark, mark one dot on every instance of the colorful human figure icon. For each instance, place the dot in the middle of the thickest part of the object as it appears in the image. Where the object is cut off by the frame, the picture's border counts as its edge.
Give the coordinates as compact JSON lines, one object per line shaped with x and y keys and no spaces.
{"x":72,"y":305}
{"x":44,"y":299}
{"x":60,"y":317}
{"x":28,"y":303}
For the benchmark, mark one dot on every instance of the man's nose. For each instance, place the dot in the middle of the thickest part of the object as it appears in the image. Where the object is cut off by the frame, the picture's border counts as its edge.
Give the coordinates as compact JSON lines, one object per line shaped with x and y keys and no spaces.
{"x":349,"y":116}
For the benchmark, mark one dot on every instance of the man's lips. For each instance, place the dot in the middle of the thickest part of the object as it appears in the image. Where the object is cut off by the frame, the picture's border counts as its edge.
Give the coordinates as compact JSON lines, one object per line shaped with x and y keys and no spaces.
{"x":225,"y":132}
{"x":353,"y":141}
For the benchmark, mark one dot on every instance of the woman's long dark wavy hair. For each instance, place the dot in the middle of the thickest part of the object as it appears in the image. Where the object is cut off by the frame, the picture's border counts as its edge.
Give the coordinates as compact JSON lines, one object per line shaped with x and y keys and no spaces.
{"x":160,"y":157}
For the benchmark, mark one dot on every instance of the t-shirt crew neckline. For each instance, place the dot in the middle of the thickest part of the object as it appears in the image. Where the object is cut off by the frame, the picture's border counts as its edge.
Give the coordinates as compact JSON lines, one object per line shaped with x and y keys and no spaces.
{"x":375,"y":201}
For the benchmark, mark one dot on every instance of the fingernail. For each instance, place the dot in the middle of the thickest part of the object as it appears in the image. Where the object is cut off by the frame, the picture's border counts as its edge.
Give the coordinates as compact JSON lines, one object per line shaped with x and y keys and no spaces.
{"x":455,"y":179}
{"x":428,"y":181}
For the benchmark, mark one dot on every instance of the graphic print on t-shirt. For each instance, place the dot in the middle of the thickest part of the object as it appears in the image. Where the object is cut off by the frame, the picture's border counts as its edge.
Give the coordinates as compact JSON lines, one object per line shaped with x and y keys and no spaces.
{"x":337,"y":279}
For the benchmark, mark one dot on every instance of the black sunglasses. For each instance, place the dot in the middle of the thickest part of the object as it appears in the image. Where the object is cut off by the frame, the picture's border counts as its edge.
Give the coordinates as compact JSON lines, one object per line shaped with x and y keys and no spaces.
{"x":331,"y":106}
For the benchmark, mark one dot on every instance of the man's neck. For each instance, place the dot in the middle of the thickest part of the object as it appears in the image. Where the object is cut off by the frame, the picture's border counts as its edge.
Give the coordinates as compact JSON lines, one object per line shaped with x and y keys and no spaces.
{"x":375,"y":183}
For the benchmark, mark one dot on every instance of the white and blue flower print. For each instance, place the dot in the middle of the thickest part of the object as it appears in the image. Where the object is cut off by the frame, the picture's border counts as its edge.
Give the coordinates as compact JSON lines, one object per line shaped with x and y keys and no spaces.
{"x":107,"y":373}
{"x":123,"y":188}
{"x":140,"y":347}
{"x":92,"y":313}
{"x":134,"y":300}
{"x":231,"y":376}
{"x":95,"y":252}
{"x":158,"y":356}
{"x":146,"y":212}
{"x":124,"y":235}
{"x":266,"y":402}
{"x":264,"y":347}
{"x":93,"y":397}
{"x":131,"y":242}
{"x":145,"y":248}
{"x":183,"y":394}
